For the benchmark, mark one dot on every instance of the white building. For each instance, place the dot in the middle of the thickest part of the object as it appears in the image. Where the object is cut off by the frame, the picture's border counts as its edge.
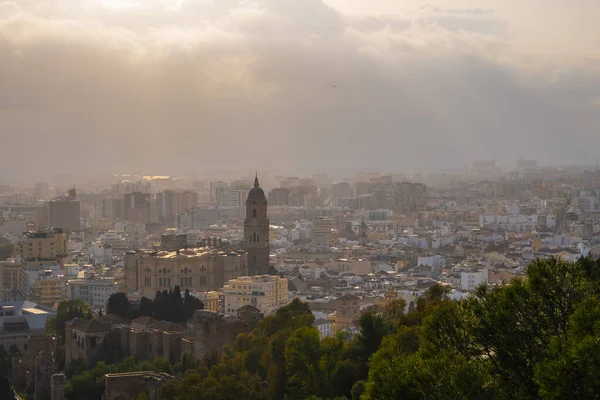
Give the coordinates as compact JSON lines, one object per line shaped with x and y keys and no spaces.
{"x":510,"y":223}
{"x":20,"y":321}
{"x":93,"y":292}
{"x":101,"y":254}
{"x":445,"y":229}
{"x":265,"y":292}
{"x":433,"y":261}
{"x":469,"y":280}
{"x":324,"y":326}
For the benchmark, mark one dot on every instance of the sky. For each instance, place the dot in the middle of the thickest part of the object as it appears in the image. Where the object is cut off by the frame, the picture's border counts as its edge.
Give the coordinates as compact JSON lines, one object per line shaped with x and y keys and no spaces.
{"x":174,"y":86}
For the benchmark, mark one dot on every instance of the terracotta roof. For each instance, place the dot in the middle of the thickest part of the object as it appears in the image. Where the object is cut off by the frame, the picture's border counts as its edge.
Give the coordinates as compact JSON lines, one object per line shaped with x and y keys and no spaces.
{"x":112,"y":319}
{"x":166,"y":326}
{"x":144,"y":321}
{"x":88,"y":325}
{"x":248,"y":307}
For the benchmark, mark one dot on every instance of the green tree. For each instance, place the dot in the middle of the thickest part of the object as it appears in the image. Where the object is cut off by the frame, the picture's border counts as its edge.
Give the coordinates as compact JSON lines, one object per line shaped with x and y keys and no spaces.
{"x":6,"y":251}
{"x":118,"y":304}
{"x":302,"y":356}
{"x":142,"y":396}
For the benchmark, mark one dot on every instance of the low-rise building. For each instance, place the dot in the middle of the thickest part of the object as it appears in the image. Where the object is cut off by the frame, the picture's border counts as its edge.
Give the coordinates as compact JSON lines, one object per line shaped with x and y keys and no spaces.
{"x":209,"y":299}
{"x":20,"y":322}
{"x":129,"y":385}
{"x":469,"y":280}
{"x":95,"y":292}
{"x":324,"y":326}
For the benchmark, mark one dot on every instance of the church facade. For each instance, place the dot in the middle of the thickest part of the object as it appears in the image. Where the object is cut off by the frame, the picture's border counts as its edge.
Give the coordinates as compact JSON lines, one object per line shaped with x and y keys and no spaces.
{"x":256,"y":231}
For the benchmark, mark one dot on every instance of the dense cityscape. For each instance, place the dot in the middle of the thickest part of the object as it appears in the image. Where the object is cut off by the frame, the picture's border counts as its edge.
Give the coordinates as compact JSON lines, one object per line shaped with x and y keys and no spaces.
{"x":159,"y":267}
{"x":299,"y":200}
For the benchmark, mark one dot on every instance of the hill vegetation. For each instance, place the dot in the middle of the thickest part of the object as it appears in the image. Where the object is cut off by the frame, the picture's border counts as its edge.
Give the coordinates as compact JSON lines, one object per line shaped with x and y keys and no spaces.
{"x":527,"y":339}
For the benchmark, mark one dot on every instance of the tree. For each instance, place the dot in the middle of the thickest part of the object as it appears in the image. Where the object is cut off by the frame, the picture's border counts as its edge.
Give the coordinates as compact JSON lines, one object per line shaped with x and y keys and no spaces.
{"x":146,"y":308}
{"x":142,"y":396}
{"x":118,"y":304}
{"x":6,"y":251}
{"x":6,"y":391}
{"x":302,"y":356}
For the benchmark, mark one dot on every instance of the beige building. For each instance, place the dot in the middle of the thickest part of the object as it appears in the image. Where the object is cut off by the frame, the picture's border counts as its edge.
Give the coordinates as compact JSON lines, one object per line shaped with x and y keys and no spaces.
{"x":48,"y":290}
{"x":321,"y":232}
{"x":357,"y":266}
{"x":42,"y":246}
{"x":265,"y":292}
{"x":201,"y":270}
{"x":347,"y":312}
{"x":209,"y":299}
{"x":189,"y":201}
{"x":11,"y":275}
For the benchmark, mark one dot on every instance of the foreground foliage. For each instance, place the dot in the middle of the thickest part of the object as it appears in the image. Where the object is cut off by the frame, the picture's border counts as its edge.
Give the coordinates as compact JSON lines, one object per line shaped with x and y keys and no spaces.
{"x":527,"y":339}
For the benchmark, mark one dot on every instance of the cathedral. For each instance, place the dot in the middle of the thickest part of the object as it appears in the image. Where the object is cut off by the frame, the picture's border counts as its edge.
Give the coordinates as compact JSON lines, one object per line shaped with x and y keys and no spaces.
{"x":256,"y":231}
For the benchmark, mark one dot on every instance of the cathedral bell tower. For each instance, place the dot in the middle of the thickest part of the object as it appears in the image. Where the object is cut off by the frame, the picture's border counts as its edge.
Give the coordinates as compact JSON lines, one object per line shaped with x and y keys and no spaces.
{"x":256,"y":231}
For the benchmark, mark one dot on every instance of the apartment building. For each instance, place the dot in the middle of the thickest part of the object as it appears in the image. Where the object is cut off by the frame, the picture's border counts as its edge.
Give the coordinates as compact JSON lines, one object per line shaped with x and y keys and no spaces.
{"x":509,"y":223}
{"x":48,"y":289}
{"x":43,"y":246}
{"x":321,"y":231}
{"x":11,"y":275}
{"x":95,"y":292}
{"x":64,"y":212}
{"x":267,"y":293}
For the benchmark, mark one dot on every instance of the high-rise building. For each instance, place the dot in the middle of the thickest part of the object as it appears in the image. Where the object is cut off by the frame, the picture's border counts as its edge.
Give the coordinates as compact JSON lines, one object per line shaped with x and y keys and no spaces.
{"x":340,"y":191}
{"x":321,"y":232}
{"x":137,"y":207}
{"x":169,"y":205}
{"x":411,"y":196}
{"x":189,"y":200}
{"x":279,"y":197}
{"x":64,"y":212}
{"x":256,"y":231}
{"x":10,"y":273}
{"x":214,"y":187}
{"x":265,"y":292}
{"x":232,"y":197}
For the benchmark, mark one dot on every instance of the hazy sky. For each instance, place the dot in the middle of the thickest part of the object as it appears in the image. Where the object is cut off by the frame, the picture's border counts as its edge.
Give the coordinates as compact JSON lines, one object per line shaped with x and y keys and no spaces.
{"x":167,"y":86}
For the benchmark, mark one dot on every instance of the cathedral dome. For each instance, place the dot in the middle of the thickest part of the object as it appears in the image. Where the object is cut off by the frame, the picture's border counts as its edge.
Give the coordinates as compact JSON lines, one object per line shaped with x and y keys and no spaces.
{"x":256,"y":194}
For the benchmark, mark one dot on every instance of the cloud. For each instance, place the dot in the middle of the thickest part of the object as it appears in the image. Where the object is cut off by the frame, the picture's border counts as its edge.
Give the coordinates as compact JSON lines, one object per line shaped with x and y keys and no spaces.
{"x":174,"y":86}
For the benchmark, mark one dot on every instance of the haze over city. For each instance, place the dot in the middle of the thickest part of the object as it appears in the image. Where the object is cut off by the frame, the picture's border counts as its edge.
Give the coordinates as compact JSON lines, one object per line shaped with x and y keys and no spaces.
{"x":299,"y":199}
{"x":177,"y":87}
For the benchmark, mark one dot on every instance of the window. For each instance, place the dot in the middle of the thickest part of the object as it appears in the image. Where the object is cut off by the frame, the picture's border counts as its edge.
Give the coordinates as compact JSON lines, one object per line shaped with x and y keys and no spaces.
{"x":254,"y":213}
